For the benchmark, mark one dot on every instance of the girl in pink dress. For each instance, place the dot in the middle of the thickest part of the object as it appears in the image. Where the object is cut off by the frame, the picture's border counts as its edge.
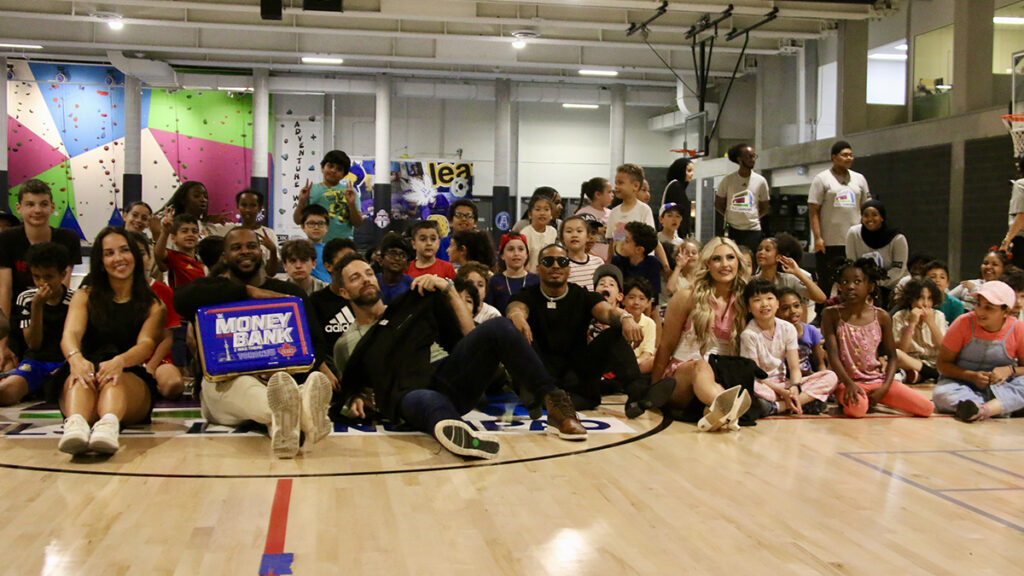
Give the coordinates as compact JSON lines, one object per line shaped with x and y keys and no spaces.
{"x":853,"y":332}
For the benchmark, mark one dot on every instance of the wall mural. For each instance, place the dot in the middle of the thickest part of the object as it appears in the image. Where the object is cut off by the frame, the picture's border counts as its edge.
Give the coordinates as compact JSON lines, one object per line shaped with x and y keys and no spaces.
{"x":70,"y":134}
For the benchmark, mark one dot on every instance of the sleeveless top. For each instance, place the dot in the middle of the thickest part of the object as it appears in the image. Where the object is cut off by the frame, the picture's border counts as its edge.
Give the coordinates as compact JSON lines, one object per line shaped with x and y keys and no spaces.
{"x":118,"y":334}
{"x":721,"y":327}
{"x":858,"y":350}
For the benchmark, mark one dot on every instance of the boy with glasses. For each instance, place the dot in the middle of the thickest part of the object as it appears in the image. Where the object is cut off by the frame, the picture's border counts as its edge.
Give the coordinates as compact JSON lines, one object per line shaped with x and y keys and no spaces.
{"x":462,"y":215}
{"x":314,"y":225}
{"x":395,"y":254}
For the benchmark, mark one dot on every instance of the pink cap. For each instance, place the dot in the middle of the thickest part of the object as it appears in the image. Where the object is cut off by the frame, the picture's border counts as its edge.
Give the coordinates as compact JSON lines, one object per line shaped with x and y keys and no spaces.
{"x":998,"y":293}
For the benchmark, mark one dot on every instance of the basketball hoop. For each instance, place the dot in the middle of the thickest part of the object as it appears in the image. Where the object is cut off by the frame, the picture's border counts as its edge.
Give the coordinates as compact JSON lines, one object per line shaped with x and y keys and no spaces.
{"x":687,"y":153}
{"x":1015,"y":124}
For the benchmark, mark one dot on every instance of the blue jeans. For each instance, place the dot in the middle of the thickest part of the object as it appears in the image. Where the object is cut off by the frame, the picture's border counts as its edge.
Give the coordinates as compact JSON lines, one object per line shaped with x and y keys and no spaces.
{"x":462,"y":377}
{"x":948,"y":393}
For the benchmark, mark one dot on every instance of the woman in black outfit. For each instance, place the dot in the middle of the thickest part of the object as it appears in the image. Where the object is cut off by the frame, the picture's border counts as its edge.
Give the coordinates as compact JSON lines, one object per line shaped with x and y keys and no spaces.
{"x":679,"y":175}
{"x":113,"y":326}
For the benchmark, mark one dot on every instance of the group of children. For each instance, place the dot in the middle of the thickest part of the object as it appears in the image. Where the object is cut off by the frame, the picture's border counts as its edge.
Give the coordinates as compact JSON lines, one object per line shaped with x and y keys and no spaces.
{"x":704,"y":301}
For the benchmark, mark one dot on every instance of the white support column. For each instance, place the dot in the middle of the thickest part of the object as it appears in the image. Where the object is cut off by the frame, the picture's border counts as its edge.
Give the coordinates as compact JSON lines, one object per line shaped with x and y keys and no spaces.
{"x":3,"y":133}
{"x":617,"y":133}
{"x":131,"y":187}
{"x":260,"y":129}
{"x":382,"y":146}
{"x":513,"y":160}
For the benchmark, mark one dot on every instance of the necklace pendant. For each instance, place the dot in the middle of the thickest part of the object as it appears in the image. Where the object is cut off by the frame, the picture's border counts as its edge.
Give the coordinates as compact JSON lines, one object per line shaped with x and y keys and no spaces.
{"x":552,"y":305}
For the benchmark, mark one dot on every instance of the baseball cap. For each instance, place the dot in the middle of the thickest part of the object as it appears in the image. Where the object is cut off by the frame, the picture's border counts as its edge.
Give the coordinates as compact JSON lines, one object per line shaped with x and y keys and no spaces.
{"x":998,"y":293}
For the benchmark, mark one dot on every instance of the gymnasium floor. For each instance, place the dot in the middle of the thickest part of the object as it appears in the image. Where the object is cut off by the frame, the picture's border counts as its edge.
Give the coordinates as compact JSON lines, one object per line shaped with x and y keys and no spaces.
{"x":814,"y":495}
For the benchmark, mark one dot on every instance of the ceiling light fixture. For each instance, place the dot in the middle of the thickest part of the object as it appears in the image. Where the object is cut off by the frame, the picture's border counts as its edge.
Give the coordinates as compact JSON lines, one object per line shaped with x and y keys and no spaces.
{"x":1008,"y":20}
{"x":21,"y":46}
{"x":321,"y":60}
{"x":902,"y":47}
{"x":592,"y":72}
{"x":581,"y":106}
{"x":521,"y":37}
{"x":112,"y":19}
{"x":889,"y":57}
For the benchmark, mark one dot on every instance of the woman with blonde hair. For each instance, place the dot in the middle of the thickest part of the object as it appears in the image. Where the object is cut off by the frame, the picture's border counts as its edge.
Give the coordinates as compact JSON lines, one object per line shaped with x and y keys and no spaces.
{"x":703,"y":319}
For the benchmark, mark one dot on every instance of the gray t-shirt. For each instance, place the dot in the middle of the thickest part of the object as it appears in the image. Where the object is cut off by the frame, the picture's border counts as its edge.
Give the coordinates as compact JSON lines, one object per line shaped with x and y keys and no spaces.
{"x":1017,"y":202}
{"x":840,"y":204}
{"x":742,"y":196}
{"x":892,"y":258}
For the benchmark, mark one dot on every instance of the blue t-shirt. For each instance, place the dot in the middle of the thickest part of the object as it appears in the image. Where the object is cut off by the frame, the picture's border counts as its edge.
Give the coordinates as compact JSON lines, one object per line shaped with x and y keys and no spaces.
{"x":321,"y":272}
{"x":648,"y":268}
{"x":442,"y":249}
{"x":952,"y":308}
{"x":501,"y":289}
{"x":389,"y":292}
{"x":805,"y":347}
{"x":333,"y":199}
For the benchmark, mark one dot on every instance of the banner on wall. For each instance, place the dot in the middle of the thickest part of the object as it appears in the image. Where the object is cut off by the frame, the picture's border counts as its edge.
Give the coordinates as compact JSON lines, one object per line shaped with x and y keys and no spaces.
{"x":426,"y":187}
{"x":299,"y":151}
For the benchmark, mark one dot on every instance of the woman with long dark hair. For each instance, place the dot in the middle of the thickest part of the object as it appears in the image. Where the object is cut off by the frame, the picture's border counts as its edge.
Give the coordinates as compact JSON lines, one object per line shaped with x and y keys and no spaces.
{"x":112,"y":328}
{"x":679,"y":175}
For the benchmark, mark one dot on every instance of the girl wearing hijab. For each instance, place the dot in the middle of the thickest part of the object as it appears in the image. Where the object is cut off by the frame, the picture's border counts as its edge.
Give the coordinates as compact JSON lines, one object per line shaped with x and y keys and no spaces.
{"x":679,"y":175}
{"x":873,"y":238}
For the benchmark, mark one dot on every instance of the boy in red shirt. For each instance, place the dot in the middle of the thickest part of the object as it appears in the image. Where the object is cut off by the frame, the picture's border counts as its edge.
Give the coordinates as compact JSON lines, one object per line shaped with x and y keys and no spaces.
{"x":425,"y":239}
{"x":182,"y":262}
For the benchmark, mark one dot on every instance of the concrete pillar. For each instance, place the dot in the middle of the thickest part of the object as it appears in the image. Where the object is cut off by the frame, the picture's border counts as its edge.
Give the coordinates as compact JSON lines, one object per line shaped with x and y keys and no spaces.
{"x":972,"y":55}
{"x":513,"y":160}
{"x":382,"y":147}
{"x":501,"y":205}
{"x":131,"y":183}
{"x":259,"y":179}
{"x":956,"y":207}
{"x":617,"y":134}
{"x":801,"y":95}
{"x":852,"y":91}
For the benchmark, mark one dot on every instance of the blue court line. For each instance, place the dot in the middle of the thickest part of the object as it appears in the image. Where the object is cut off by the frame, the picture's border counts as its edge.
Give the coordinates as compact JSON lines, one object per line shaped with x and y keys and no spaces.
{"x":932,"y":491}
{"x":987,"y":465}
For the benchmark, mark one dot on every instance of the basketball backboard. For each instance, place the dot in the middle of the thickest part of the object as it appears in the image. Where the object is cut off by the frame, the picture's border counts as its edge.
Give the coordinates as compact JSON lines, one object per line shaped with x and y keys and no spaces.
{"x":1017,"y":84}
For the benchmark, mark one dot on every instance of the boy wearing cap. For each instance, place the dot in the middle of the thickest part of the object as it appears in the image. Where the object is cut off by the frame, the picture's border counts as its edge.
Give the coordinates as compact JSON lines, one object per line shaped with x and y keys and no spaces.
{"x":981,"y":360}
{"x":395,"y":254}
{"x":670,"y":217}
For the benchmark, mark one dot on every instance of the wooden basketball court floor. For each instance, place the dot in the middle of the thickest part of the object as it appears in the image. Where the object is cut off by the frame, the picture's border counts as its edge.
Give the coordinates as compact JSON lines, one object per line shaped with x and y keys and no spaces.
{"x":815,"y":495}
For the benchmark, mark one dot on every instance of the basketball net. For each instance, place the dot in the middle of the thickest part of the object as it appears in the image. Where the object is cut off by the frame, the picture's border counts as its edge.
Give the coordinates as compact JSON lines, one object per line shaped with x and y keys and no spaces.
{"x":1015,"y":124}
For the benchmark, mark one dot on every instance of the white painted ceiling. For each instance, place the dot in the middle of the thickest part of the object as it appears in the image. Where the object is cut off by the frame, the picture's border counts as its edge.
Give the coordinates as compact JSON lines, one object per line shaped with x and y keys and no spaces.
{"x":417,"y":38}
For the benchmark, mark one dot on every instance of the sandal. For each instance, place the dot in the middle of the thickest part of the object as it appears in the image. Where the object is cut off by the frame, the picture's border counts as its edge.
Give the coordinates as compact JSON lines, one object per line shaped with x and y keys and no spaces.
{"x":715,"y":416}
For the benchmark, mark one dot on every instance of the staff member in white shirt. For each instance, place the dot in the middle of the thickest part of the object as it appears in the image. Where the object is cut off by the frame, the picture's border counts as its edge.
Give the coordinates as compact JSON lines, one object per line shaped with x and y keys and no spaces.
{"x":743,"y":198}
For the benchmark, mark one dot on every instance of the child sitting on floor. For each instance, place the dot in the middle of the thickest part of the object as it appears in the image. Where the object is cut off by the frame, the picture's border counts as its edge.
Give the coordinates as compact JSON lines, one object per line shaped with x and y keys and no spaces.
{"x":919,"y":328}
{"x":513,"y":277}
{"x":637,"y":297}
{"x":477,"y":275}
{"x":853,"y":332}
{"x":772,"y":343}
{"x":981,"y":359}
{"x":582,"y":265}
{"x":39,"y":312}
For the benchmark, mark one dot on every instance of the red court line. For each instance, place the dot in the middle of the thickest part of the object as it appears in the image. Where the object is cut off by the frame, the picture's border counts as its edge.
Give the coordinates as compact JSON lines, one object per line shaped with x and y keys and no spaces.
{"x":279,"y":517}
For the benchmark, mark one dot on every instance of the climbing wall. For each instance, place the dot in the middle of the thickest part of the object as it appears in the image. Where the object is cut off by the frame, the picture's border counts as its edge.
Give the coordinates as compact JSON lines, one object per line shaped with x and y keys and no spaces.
{"x":70,"y":134}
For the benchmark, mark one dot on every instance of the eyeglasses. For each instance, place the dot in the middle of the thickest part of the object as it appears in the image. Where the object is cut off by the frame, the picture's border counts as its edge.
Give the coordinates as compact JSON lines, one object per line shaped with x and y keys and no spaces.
{"x":316,"y":224}
{"x":463,"y":215}
{"x":395,"y":253}
{"x":845,"y":155}
{"x":549,"y":261}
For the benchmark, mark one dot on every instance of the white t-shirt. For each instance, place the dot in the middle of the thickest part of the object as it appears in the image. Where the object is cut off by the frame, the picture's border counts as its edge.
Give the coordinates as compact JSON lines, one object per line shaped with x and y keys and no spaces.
{"x":536,"y":241}
{"x":742,"y":196}
{"x":840,"y":204}
{"x":1017,"y":202}
{"x":769,"y":352}
{"x":582,"y":273}
{"x":616,"y":227}
{"x":892,"y":258}
{"x":487,"y":312}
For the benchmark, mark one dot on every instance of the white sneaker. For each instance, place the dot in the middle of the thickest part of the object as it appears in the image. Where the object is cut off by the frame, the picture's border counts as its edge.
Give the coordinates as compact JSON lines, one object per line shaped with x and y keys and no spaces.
{"x":316,"y":400}
{"x":76,"y":435}
{"x":283,"y":398}
{"x":104,"y":435}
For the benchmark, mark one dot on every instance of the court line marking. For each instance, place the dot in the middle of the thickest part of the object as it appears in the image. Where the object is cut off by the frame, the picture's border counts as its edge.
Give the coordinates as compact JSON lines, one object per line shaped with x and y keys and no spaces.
{"x":275,"y":560}
{"x":986,"y":464}
{"x":933,"y":491}
{"x":666,"y":421}
{"x":977,"y":489}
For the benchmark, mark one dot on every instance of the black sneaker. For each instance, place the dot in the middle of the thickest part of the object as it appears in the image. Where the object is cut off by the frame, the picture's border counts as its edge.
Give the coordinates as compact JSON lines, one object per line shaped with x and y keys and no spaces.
{"x":643,"y":397}
{"x":966,"y":410}
{"x":459,"y":438}
{"x":815,"y":407}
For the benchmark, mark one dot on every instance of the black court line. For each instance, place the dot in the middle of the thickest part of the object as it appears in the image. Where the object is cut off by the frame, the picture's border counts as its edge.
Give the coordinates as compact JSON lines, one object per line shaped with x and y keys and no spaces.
{"x":666,"y":421}
{"x":937,"y":493}
{"x":987,"y":465}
